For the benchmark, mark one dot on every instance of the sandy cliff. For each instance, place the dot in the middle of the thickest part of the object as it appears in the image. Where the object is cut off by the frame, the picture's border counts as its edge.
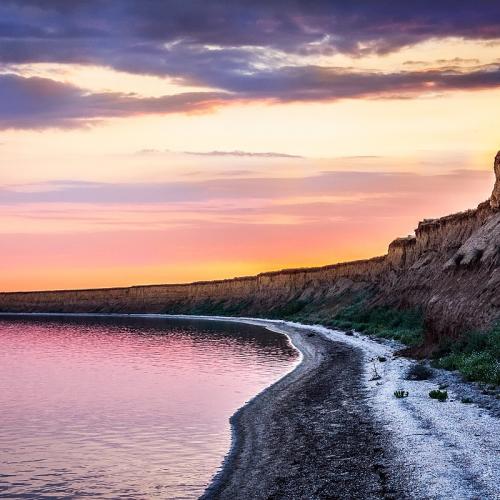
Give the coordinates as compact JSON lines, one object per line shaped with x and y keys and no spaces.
{"x":450,"y":270}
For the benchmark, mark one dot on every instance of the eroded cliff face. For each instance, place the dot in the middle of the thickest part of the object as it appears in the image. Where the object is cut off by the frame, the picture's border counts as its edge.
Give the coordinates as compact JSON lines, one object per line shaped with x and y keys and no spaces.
{"x":495,"y":196}
{"x":450,"y":269}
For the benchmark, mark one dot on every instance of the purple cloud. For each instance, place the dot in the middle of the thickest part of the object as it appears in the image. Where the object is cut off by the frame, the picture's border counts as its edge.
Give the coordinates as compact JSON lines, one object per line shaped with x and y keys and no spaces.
{"x":224,"y":45}
{"x":109,"y":29}
{"x":41,"y":102}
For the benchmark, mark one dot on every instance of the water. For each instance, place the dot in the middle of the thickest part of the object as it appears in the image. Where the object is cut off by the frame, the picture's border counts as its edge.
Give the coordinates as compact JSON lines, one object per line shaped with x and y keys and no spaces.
{"x":124,"y":407}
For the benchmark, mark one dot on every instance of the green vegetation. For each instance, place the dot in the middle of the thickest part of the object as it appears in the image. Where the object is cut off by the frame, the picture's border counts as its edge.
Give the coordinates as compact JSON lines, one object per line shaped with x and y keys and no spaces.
{"x":401,"y":394}
{"x":441,"y":396}
{"x":288,"y":310}
{"x":476,"y":356}
{"x":466,"y":401}
{"x":403,"y":325}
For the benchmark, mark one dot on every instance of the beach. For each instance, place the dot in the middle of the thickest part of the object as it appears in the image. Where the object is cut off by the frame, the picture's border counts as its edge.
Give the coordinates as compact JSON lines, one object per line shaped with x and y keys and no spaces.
{"x":329,"y":430}
{"x":333,"y":428}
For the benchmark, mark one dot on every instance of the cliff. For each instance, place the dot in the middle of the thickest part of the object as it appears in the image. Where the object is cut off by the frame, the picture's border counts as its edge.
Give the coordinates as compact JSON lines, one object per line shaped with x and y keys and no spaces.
{"x":449,"y":270}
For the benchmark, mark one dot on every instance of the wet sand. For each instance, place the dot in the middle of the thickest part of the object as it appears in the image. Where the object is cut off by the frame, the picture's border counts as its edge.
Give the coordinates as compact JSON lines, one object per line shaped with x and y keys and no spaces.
{"x":312,"y":435}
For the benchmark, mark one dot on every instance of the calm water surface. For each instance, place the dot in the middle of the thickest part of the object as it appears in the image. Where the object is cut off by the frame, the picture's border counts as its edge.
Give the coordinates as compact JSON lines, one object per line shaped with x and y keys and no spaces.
{"x":124,"y":407}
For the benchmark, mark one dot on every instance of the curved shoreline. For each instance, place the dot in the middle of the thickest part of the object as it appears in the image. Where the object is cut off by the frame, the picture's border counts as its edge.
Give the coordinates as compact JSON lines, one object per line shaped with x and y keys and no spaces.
{"x":419,"y":448}
{"x":327,"y":429}
{"x":271,"y":438}
{"x":220,"y":477}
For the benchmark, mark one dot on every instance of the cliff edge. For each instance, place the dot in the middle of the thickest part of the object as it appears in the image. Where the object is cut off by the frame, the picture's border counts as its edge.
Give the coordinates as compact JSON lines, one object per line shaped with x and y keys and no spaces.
{"x":495,"y":195}
{"x":449,"y":272}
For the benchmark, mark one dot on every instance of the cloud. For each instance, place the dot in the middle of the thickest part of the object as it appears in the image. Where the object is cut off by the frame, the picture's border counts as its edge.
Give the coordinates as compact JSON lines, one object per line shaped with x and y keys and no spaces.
{"x":318,"y":83}
{"x":241,"y":154}
{"x":110,"y":30}
{"x":240,"y":49}
{"x":40,"y":102}
{"x":333,"y":183}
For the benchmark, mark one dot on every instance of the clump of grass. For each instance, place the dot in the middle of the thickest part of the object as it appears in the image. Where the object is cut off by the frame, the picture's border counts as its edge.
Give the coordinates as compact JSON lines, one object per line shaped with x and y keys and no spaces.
{"x":441,"y":396}
{"x":466,"y":401}
{"x":401,"y":394}
{"x":419,"y":372}
{"x":476,"y":356}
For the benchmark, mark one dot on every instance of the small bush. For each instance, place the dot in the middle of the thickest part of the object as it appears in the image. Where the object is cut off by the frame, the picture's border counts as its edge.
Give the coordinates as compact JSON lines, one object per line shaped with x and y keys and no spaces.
{"x":401,"y":394}
{"x":466,"y":401}
{"x":476,"y":356}
{"x":441,"y":396}
{"x":419,"y":372}
{"x":382,"y":359}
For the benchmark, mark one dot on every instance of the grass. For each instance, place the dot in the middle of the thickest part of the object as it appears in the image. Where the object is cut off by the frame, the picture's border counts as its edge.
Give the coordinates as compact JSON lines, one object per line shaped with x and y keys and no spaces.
{"x":441,"y":396}
{"x":476,"y":356}
{"x":401,"y":394}
{"x":404,"y":325}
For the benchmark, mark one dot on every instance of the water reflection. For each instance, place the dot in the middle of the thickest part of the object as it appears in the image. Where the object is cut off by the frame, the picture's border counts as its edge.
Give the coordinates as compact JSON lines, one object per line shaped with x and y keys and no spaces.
{"x":124,"y":407}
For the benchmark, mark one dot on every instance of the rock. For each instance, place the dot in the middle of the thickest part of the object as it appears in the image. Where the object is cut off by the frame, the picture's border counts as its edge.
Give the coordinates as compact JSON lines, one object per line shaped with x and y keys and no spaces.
{"x":495,"y":195}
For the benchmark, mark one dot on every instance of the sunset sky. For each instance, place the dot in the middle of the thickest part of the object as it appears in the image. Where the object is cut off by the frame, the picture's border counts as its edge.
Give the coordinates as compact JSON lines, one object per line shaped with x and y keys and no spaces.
{"x":170,"y":141}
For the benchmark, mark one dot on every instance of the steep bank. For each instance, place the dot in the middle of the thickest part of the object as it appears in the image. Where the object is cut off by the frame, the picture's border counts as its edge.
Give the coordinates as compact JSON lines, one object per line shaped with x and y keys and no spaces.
{"x":449,"y":271}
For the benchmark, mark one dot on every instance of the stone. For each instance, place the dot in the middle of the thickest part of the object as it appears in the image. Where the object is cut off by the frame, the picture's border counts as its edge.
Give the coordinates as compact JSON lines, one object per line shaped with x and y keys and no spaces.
{"x":495,"y":195}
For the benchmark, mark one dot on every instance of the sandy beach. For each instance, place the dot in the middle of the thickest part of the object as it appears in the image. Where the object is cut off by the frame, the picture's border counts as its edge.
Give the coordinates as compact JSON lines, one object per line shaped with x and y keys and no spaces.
{"x":327,"y":430}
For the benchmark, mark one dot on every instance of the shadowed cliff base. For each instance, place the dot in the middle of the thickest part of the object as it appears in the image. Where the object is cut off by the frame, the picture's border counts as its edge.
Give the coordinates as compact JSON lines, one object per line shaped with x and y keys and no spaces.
{"x":440,"y":283}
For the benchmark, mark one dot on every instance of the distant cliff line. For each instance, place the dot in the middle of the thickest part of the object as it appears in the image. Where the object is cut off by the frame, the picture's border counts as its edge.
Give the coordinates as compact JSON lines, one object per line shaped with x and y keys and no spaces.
{"x":449,"y":271}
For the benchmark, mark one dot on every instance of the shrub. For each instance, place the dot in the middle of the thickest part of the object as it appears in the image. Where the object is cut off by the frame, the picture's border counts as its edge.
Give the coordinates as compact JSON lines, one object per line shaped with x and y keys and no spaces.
{"x":382,"y":359}
{"x":419,"y":372}
{"x":441,"y":396}
{"x":401,"y":394}
{"x":476,"y":356}
{"x":480,"y":366}
{"x":466,"y":401}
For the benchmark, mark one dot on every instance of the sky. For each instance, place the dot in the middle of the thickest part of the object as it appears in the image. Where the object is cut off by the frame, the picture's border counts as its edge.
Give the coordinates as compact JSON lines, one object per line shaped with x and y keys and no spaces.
{"x":173,"y":141}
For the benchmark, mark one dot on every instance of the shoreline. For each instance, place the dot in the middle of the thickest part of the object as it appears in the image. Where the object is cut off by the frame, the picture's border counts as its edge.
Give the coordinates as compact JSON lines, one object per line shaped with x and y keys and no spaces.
{"x":291,"y":440}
